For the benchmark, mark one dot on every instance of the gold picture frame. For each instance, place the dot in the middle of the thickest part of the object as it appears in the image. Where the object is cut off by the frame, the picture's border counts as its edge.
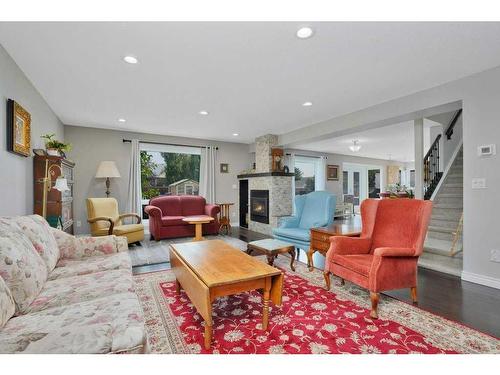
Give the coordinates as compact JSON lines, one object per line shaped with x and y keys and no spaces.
{"x":332,"y":172}
{"x":18,"y":129}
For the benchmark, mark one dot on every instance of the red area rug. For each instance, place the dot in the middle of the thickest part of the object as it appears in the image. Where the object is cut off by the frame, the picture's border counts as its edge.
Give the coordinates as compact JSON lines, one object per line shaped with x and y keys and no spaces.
{"x":311,"y":320}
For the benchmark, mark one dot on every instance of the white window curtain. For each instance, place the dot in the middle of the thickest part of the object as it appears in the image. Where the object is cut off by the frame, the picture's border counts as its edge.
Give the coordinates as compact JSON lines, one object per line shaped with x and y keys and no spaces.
{"x":208,"y":162}
{"x":320,"y":174}
{"x":134,"y":183}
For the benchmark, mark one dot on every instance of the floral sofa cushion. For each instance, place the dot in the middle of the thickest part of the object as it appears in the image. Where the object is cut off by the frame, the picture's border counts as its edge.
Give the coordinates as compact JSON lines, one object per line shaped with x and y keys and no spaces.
{"x":69,"y":290}
{"x":39,"y":233}
{"x":70,"y":267}
{"x":22,"y":269}
{"x":7,"y":305}
{"x":110,"y":324}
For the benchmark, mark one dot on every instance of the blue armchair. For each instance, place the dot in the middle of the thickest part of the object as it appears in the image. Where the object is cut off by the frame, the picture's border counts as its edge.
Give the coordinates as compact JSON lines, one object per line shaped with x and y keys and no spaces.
{"x":312,"y":210}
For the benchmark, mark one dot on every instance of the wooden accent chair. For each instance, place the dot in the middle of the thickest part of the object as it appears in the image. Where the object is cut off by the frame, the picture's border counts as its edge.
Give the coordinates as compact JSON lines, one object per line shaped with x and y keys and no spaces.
{"x":104,"y":219}
{"x":385,"y":256}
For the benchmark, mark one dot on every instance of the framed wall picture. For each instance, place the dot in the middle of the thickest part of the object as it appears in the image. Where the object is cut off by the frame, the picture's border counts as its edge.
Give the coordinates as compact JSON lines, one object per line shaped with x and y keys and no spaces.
{"x":224,"y":168}
{"x":18,"y":129}
{"x":332,"y":172}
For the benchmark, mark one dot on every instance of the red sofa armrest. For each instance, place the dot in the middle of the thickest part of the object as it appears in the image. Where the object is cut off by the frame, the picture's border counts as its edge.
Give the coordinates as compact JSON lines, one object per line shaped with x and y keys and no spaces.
{"x":153,"y":211}
{"x":348,"y":245}
{"x":212,"y":210}
{"x":394,"y":252}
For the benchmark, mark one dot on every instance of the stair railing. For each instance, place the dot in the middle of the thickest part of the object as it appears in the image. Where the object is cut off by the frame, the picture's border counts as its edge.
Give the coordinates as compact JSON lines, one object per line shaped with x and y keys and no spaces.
{"x":432,"y":170}
{"x":449,"y":130}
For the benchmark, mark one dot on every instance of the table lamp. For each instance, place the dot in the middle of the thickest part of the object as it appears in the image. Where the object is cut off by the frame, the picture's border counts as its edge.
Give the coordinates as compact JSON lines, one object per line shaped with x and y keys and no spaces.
{"x":107,"y":170}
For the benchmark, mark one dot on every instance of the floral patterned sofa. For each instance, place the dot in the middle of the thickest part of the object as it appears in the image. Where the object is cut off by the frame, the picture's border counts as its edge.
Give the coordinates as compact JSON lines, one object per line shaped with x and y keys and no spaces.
{"x":66,"y":294}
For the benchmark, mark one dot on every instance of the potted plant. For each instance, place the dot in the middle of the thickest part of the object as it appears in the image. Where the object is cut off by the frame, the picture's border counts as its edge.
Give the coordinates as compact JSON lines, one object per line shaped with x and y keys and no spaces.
{"x":55,"y":147}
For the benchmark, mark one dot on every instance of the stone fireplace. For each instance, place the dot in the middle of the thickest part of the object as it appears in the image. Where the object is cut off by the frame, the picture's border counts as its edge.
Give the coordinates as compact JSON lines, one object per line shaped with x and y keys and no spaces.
{"x":270,"y":192}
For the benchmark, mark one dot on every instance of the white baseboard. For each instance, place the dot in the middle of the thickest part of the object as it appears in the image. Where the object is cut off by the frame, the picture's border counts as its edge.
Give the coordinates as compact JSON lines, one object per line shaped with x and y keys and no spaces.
{"x":481,"y":279}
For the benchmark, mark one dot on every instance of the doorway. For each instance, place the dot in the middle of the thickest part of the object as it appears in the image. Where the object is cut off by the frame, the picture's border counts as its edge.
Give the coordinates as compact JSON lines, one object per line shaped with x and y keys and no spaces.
{"x":360,"y":182}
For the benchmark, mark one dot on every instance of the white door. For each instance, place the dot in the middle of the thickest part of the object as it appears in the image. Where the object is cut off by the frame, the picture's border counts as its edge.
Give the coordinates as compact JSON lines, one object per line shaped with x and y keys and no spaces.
{"x":357,"y":183}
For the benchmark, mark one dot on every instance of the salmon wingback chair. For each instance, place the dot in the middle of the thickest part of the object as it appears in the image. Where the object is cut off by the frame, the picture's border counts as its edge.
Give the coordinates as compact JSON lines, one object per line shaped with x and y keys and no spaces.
{"x":385,"y":255}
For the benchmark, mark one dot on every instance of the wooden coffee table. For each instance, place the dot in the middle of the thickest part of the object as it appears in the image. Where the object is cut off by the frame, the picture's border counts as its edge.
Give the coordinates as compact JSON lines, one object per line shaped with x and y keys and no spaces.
{"x":206,"y":270}
{"x":272,"y":247}
{"x":198,"y":222}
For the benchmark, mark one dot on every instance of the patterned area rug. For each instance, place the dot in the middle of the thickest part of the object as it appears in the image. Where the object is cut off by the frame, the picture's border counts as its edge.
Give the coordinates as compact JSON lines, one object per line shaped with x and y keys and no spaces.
{"x":152,"y":252}
{"x":311,"y":320}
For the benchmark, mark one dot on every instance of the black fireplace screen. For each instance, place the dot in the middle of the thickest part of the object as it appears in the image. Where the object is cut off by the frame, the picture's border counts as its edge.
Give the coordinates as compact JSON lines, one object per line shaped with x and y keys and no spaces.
{"x":259,"y":206}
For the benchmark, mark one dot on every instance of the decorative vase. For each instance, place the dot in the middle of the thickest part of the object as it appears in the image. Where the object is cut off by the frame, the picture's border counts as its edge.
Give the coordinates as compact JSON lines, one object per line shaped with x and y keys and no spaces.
{"x":53,"y":152}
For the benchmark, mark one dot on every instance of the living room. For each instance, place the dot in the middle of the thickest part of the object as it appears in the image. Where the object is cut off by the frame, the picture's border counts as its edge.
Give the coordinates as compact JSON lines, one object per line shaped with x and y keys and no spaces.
{"x":278,"y":187}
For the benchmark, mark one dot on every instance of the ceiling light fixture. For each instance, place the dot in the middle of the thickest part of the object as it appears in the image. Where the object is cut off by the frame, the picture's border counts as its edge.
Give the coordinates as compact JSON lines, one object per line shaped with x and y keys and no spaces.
{"x":122,"y":120}
{"x":130,"y":59}
{"x":355,"y":147}
{"x":307,"y":104}
{"x":305,"y":33}
{"x":203,"y":113}
{"x":235,"y":134}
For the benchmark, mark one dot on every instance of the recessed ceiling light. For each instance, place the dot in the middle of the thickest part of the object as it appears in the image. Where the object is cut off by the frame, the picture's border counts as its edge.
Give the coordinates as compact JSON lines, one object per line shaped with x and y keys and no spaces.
{"x":235,"y":134}
{"x":304,"y":33}
{"x":307,"y":104}
{"x":130,"y":59}
{"x":122,"y":120}
{"x":203,"y":113}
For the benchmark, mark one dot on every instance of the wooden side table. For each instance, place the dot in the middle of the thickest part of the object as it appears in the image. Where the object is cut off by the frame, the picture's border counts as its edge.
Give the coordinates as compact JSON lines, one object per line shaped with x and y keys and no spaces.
{"x":198,"y":222}
{"x":320,"y":237}
{"x":271,"y":248}
{"x":225,"y":220}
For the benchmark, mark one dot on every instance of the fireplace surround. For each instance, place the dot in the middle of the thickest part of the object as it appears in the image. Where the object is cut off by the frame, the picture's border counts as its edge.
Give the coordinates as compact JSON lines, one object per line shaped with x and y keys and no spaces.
{"x":259,"y":206}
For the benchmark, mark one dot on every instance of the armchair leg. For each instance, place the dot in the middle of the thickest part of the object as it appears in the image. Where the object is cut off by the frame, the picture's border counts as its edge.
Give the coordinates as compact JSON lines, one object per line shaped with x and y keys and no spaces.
{"x":374,"y":298}
{"x":413,"y":292}
{"x":326,"y":275}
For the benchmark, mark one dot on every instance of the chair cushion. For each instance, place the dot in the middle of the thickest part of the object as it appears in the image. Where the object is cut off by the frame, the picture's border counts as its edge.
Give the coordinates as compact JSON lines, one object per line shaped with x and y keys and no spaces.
{"x":358,"y":263}
{"x":70,"y":267}
{"x":168,"y":221}
{"x":82,"y":288}
{"x":7,"y":304}
{"x":120,"y":230}
{"x":109,"y":324}
{"x":97,"y":207}
{"x":22,"y":269}
{"x":295,"y":233}
{"x":192,"y":205}
{"x":38,"y":231}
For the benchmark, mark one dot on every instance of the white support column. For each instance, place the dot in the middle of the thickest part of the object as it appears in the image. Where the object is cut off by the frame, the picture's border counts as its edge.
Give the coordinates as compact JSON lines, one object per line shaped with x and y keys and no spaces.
{"x":418,"y":135}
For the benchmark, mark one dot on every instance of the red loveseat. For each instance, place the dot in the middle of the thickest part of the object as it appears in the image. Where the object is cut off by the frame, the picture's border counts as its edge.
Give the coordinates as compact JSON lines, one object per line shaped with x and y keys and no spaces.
{"x":166,"y":214}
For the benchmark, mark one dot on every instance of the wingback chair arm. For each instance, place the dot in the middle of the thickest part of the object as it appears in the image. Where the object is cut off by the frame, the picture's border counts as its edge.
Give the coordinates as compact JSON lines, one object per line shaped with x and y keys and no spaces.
{"x":394,"y":252}
{"x":289,"y":222}
{"x":153,"y":211}
{"x":123,"y":216}
{"x":212,"y":210}
{"x":348,"y":246}
{"x":103,"y":218}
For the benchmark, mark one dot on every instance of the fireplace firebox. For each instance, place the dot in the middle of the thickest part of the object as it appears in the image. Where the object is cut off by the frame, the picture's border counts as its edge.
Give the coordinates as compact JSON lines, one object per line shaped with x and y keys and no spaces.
{"x":259,"y":206}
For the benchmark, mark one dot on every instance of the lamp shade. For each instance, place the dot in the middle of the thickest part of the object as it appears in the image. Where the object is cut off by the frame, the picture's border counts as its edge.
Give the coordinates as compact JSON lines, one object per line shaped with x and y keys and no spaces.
{"x":107,"y":169}
{"x":61,"y":184}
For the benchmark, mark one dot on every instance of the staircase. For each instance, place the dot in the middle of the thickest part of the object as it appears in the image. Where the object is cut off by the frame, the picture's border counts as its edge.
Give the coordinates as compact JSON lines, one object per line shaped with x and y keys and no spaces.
{"x":445,"y":219}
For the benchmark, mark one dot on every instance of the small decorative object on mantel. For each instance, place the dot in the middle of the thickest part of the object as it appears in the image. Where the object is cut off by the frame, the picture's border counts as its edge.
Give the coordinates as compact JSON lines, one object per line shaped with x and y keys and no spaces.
{"x":277,"y":156}
{"x":224,"y":168}
{"x":18,"y":129}
{"x":39,"y":152}
{"x":332,"y":172}
{"x":55,"y":147}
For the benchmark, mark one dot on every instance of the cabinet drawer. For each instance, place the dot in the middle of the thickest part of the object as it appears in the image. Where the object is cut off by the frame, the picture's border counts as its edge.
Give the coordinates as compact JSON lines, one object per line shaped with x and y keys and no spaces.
{"x":320,"y":245}
{"x":323,"y":237}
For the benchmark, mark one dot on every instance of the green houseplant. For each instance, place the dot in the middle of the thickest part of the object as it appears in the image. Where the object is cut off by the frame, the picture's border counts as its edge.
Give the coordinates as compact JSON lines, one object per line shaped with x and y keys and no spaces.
{"x":55,"y":147}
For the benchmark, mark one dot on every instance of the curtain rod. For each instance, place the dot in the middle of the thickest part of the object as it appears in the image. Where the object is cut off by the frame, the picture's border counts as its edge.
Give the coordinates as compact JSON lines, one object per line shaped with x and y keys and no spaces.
{"x":169,"y":144}
{"x":306,"y":156}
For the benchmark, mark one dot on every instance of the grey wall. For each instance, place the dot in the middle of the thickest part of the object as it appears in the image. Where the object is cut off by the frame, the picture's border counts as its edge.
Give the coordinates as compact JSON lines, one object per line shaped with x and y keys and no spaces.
{"x":91,"y":146}
{"x":16,"y":172}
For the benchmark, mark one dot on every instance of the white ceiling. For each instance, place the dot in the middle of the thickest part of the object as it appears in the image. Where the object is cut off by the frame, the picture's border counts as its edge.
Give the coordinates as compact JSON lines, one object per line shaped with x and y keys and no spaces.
{"x":251,"y":77}
{"x":394,"y":142}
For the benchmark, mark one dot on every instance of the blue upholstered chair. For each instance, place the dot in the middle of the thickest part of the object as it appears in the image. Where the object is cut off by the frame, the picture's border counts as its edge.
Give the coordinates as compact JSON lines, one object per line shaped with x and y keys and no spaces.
{"x":312,"y":210}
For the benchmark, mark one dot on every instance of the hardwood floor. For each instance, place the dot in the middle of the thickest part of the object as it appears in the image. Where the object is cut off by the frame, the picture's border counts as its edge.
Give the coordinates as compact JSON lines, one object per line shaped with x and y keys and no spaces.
{"x":471,"y":304}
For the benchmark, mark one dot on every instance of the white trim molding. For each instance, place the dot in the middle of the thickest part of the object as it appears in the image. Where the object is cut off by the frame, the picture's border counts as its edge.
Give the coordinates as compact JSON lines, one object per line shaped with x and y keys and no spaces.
{"x":481,"y":279}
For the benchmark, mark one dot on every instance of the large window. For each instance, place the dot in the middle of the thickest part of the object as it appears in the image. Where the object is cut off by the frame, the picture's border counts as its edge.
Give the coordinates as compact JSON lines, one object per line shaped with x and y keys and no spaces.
{"x":169,"y":170}
{"x":305,"y":172}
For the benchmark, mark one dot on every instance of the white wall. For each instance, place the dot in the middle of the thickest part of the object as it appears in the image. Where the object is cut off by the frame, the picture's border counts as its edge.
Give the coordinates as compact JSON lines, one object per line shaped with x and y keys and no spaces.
{"x":16,"y":183}
{"x":91,"y":146}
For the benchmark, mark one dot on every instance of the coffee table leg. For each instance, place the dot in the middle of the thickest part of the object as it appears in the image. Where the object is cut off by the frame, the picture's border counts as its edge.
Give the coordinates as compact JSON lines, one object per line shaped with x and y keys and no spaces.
{"x":208,"y":335}
{"x":198,"y":232}
{"x":292,"y":254}
{"x":266,"y":296}
{"x":177,"y":287}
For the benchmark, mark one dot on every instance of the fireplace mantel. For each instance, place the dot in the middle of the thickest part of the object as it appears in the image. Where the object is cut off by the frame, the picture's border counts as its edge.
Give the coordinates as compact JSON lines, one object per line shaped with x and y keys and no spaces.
{"x":265,"y":174}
